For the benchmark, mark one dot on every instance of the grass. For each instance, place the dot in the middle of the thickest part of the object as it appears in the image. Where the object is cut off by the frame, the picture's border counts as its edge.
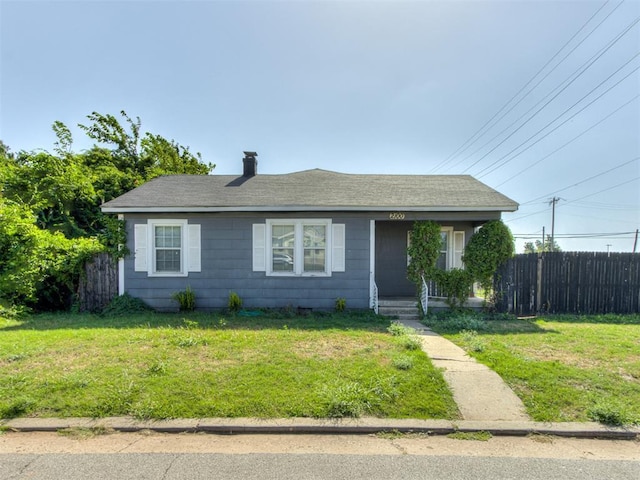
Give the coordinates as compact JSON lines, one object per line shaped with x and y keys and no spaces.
{"x":564,"y":368}
{"x":151,"y":365}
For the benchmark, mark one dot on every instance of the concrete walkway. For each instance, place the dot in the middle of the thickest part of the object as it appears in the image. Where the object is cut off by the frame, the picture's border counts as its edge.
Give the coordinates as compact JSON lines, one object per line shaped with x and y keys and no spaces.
{"x":480,"y":393}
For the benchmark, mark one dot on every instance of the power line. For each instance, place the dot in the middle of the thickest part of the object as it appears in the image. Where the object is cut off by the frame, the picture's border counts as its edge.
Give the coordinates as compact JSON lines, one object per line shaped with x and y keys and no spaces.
{"x":567,"y":143}
{"x":583,"y":181}
{"x":559,"y":116}
{"x":604,"y":190}
{"x":578,"y":73}
{"x":576,"y":200}
{"x":457,"y":151}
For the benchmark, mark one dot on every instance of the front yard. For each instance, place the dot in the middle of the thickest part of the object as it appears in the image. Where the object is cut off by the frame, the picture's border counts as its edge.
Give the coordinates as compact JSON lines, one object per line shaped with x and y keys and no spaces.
{"x":564,"y":368}
{"x":194,"y":365}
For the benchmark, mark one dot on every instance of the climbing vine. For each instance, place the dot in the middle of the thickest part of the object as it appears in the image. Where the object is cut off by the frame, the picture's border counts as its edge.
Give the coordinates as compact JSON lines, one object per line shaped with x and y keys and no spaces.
{"x":423,"y":250}
{"x":487,"y":249}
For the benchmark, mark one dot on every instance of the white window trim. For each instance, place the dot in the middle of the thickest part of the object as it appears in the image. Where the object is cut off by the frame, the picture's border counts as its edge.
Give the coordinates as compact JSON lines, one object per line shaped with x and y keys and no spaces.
{"x":449,"y":257}
{"x":298,"y":256}
{"x":184,"y":247}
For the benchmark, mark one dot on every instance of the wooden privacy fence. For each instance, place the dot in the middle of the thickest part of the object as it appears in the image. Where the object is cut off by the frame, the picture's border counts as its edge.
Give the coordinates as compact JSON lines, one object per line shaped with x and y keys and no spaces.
{"x":569,"y":282}
{"x":99,"y":284}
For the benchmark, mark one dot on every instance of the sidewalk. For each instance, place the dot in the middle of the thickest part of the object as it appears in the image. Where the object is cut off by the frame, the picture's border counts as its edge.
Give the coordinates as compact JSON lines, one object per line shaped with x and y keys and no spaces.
{"x":480,"y":393}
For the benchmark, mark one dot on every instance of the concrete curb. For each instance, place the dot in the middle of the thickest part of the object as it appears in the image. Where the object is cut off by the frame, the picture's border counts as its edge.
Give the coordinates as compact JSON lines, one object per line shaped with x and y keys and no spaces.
{"x":231,"y":426}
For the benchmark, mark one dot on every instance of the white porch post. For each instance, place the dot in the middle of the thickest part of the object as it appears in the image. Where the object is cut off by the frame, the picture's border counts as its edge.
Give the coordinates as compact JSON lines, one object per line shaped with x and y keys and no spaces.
{"x":121,"y":266}
{"x":373,"y":290}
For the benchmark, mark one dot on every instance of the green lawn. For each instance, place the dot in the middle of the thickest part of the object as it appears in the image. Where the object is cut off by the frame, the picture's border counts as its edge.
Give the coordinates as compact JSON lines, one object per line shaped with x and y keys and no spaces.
{"x":194,"y":365}
{"x":564,"y":368}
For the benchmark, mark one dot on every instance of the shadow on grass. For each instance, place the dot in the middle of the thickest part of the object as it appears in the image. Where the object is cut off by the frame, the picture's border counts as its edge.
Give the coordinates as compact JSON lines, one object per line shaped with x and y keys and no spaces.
{"x":495,"y":324}
{"x":604,"y":318}
{"x":254,"y":320}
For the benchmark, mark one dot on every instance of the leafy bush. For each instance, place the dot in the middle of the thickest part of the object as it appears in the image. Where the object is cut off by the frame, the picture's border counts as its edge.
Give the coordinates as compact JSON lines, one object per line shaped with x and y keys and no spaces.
{"x":125,"y":304}
{"x":456,"y":284}
{"x":423,"y":250}
{"x":37,"y":267}
{"x":186,"y":299}
{"x":234,"y":303}
{"x":487,"y":249}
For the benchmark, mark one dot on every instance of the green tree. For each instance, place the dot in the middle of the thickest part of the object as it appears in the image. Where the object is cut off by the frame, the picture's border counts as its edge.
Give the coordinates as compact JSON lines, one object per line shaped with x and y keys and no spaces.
{"x":50,"y":203}
{"x":539,"y":247}
{"x":487,"y":249}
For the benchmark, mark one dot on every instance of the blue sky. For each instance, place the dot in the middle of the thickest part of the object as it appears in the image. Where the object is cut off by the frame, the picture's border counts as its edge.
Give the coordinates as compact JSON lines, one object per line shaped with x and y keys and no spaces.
{"x":360,"y":86}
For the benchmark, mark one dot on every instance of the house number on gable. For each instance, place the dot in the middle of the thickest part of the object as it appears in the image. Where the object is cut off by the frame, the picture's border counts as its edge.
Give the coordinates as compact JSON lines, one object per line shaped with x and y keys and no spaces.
{"x":396,"y":216}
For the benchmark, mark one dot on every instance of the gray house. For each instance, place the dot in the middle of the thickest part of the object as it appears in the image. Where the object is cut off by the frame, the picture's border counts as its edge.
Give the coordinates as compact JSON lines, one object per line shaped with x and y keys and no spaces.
{"x":301,"y":239}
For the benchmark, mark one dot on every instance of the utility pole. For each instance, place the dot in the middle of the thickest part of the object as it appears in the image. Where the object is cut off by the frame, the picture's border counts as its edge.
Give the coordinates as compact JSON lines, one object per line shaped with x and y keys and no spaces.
{"x":635,"y":242}
{"x":553,"y":202}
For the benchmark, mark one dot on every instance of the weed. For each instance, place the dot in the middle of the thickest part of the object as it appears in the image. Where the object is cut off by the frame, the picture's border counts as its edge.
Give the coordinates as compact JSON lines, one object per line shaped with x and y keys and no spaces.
{"x":455,"y":322}
{"x":17,"y":407}
{"x":125,"y":304}
{"x":410,"y":342}
{"x":609,"y":414}
{"x":472,"y":340}
{"x":402,"y":362}
{"x":159,"y":367}
{"x":190,"y":324}
{"x":341,"y":304}
{"x":82,"y":433}
{"x":234,"y":304}
{"x":480,"y":436}
{"x":352,"y":399}
{"x":186,"y":299}
{"x":397,"y":329}
{"x":186,"y":341}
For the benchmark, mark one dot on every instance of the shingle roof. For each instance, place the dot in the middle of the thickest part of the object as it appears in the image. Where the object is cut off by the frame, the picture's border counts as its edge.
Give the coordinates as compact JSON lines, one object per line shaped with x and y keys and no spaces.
{"x":311,"y":190}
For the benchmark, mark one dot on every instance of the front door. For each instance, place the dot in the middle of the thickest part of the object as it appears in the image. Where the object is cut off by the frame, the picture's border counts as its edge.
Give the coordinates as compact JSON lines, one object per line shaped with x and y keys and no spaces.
{"x":391,"y":260}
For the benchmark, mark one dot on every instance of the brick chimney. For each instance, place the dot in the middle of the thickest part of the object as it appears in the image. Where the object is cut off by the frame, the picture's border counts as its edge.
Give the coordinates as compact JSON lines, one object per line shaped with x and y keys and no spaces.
{"x":250,"y":164}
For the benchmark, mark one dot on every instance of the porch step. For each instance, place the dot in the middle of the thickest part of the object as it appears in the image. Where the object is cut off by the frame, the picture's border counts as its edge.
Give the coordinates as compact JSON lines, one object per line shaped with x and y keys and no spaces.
{"x":401,"y":309}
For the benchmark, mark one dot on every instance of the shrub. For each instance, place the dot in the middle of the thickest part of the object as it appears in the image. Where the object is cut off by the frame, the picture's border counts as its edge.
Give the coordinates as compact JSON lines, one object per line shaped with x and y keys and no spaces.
{"x":125,"y":304}
{"x":234,"y":303}
{"x":456,"y":284}
{"x":341,"y":304}
{"x":423,"y":250}
{"x":186,"y":299}
{"x":37,"y":267}
{"x":487,"y":249}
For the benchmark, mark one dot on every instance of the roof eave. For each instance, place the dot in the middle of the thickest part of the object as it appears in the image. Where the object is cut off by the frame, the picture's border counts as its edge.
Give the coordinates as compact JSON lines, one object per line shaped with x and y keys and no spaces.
{"x":309,"y":208}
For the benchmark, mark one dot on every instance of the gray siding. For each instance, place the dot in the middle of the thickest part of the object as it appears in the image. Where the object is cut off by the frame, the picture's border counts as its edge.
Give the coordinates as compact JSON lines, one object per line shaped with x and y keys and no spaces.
{"x":226,"y":255}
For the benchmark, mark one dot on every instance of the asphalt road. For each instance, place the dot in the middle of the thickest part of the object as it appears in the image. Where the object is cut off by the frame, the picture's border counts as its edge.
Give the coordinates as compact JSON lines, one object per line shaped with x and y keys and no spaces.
{"x":164,"y":466}
{"x":79,"y":454}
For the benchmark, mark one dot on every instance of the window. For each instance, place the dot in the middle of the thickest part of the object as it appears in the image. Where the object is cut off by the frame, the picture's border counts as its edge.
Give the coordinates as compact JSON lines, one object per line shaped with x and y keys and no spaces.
{"x":313,"y":247}
{"x":167,"y":248}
